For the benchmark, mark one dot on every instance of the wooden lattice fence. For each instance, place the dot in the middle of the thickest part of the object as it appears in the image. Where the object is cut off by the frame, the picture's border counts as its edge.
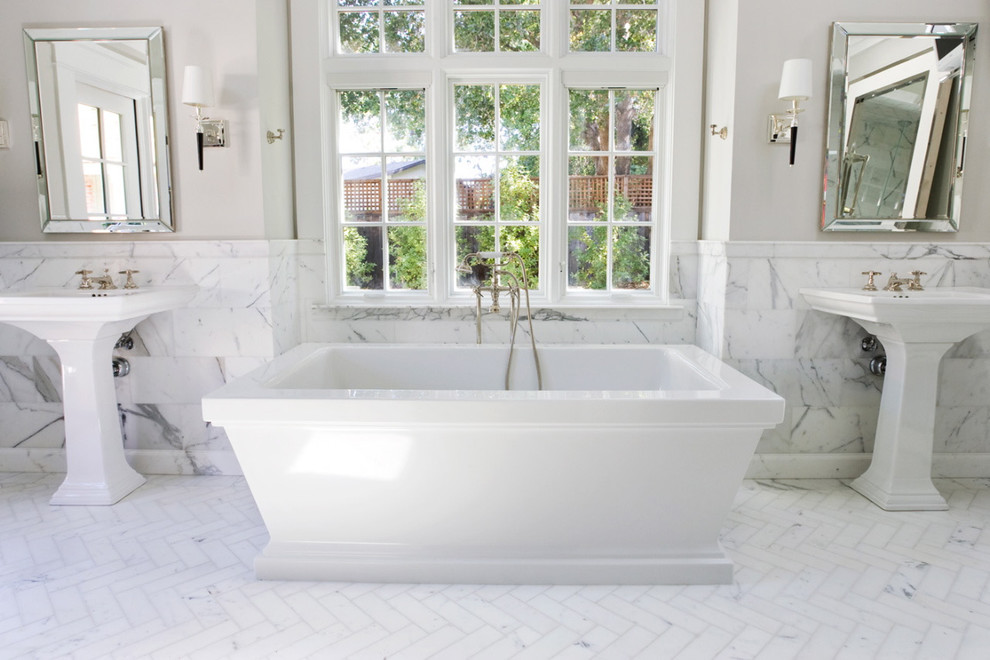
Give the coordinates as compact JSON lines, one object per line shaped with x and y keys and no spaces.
{"x":363,"y":197}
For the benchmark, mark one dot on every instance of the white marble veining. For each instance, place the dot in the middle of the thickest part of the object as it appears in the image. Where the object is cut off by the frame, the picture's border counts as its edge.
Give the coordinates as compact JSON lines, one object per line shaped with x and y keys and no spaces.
{"x":256,"y":301}
{"x":821,"y":573}
{"x":815,"y":360}
{"x":226,"y":330}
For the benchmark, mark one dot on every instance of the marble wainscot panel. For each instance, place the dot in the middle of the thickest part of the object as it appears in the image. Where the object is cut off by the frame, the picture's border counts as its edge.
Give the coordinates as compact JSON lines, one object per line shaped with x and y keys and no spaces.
{"x":816,"y":362}
{"x":550,"y":325}
{"x":178,"y":356}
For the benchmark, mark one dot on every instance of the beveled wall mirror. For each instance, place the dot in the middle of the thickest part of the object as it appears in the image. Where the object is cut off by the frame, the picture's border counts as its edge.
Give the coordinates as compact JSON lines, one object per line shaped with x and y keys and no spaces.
{"x":99,"y":116}
{"x":899,"y":96}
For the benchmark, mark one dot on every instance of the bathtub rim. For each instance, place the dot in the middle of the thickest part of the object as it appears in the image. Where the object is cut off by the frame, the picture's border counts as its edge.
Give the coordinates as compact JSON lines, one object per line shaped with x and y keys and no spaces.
{"x":727,"y":383}
{"x":248,"y":400}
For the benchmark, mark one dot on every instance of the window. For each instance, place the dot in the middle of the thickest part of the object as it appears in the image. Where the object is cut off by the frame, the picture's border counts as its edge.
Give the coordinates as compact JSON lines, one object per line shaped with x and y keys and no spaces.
{"x":486,"y":26}
{"x":496,"y":162}
{"x":385,"y":26}
{"x":461,"y":126}
{"x":111,"y":186}
{"x":610,"y":167}
{"x":383,"y":163}
{"x":614,"y":26}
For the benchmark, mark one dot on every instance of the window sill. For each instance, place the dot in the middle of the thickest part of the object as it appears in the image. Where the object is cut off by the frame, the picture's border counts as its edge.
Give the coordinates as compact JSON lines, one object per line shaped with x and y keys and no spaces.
{"x":673,"y":310}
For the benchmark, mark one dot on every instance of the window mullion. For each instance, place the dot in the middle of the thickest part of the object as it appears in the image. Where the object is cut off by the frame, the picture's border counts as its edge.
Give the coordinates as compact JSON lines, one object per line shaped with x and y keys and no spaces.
{"x":610,"y":164}
{"x":439,"y":233}
{"x":383,"y":187}
{"x":553,"y":115}
{"x":497,"y":172}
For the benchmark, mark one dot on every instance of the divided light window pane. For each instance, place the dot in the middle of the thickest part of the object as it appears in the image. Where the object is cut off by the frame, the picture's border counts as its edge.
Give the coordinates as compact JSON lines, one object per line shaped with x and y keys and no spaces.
{"x":381,"y":26}
{"x":496,"y":159}
{"x":382,"y":140}
{"x":629,"y":26}
{"x":610,"y":215}
{"x":489,"y":26}
{"x":100,"y":145}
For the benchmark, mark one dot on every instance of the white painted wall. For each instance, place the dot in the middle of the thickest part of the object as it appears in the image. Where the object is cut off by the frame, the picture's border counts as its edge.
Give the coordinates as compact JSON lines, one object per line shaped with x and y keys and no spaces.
{"x":769,"y":201}
{"x":749,"y":192}
{"x":223,"y":201}
{"x":720,"y":93}
{"x":274,"y":86}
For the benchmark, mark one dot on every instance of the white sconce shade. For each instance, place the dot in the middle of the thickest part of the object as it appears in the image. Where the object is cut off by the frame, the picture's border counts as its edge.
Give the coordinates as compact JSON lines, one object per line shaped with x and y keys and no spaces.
{"x":197,"y":87}
{"x":197,"y":91}
{"x":795,"y":80}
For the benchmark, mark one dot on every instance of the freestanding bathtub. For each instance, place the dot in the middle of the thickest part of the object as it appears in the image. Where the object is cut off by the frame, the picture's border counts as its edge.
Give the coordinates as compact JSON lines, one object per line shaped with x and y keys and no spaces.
{"x":411,"y":463}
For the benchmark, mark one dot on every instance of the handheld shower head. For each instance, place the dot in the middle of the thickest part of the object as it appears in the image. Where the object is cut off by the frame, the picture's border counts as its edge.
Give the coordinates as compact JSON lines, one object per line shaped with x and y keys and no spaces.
{"x":480,"y":272}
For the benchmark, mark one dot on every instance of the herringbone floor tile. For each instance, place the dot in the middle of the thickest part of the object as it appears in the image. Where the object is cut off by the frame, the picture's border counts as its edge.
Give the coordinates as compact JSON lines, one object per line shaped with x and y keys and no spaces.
{"x":820,"y":573}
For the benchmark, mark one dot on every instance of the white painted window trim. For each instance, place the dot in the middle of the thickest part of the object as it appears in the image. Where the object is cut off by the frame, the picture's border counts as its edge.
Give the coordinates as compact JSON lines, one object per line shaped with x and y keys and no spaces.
{"x":678,"y":189}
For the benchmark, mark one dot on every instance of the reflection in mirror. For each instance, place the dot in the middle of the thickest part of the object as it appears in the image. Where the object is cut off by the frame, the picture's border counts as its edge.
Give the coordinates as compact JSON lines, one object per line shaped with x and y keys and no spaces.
{"x":99,"y":115}
{"x":898,"y":107}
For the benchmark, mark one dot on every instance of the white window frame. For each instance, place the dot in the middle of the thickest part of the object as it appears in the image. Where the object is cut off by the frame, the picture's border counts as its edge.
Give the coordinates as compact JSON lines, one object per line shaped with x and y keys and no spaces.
{"x":433,"y":70}
{"x":462,"y":295}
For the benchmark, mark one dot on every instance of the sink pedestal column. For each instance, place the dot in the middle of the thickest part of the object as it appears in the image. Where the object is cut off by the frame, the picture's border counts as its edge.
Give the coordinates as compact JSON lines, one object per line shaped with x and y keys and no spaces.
{"x":899,"y":477}
{"x":83,"y":326}
{"x":97,"y":472}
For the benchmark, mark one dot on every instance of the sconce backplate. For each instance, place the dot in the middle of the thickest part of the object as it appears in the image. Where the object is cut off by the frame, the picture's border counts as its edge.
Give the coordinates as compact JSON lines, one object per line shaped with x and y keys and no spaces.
{"x":779,"y":129}
{"x":214,"y":132}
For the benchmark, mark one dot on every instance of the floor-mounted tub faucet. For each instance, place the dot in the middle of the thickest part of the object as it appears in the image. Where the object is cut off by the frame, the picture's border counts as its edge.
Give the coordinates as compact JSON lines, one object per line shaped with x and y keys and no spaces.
{"x":481,"y":272}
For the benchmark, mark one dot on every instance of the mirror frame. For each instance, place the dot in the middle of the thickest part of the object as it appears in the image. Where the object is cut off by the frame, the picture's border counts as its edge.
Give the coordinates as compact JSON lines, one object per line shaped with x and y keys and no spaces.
{"x":836,"y":127}
{"x":164,"y":221}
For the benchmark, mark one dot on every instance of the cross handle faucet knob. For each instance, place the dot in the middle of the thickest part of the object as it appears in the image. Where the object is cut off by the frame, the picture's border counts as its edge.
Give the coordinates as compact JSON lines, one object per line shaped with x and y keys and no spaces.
{"x":915,"y":284}
{"x":86,"y":283}
{"x":870,"y":284}
{"x":130,"y":283}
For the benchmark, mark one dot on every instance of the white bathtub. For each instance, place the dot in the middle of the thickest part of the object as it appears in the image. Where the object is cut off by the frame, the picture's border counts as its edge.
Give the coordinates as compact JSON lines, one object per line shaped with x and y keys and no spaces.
{"x":410,"y":463}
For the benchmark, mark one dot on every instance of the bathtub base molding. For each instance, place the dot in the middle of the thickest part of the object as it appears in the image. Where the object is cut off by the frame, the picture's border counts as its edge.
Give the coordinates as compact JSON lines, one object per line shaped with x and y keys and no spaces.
{"x":314,"y":561}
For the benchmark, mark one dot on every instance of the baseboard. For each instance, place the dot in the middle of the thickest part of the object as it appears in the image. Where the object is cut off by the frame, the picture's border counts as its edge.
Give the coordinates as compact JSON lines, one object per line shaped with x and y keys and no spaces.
{"x":850,"y":466}
{"x":203,"y":462}
{"x":763,"y":466}
{"x":32,"y":459}
{"x":145,"y":461}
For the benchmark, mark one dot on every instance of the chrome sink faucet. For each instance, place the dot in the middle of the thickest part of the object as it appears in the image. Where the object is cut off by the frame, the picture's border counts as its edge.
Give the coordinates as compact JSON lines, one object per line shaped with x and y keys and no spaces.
{"x":104,"y":281}
{"x":913,"y":284}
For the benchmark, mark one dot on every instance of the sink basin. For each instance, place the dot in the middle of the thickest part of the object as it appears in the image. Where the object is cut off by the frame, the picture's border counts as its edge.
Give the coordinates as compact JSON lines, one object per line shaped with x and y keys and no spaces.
{"x":939,"y":314}
{"x":51,"y":312}
{"x":916,"y":328}
{"x":83,"y":326}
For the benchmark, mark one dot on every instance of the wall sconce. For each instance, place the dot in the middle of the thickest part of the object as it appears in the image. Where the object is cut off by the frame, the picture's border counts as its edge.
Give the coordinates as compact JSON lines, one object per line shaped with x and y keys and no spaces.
{"x":795,"y":85}
{"x":197,"y":92}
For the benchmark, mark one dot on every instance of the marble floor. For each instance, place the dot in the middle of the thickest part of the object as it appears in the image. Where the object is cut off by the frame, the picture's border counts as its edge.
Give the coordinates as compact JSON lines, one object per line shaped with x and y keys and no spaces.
{"x":166,"y":573}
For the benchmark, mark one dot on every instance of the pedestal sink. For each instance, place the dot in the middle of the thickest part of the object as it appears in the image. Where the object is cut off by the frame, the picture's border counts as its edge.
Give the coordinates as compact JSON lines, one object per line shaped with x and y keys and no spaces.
{"x":916,"y":328}
{"x":83,"y":326}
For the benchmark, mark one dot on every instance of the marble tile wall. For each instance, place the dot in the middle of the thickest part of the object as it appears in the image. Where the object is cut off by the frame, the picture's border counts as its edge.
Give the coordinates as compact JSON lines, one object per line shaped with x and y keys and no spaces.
{"x":258,"y":298}
{"x":558,"y":325}
{"x":764,"y":328}
{"x":245,"y":312}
